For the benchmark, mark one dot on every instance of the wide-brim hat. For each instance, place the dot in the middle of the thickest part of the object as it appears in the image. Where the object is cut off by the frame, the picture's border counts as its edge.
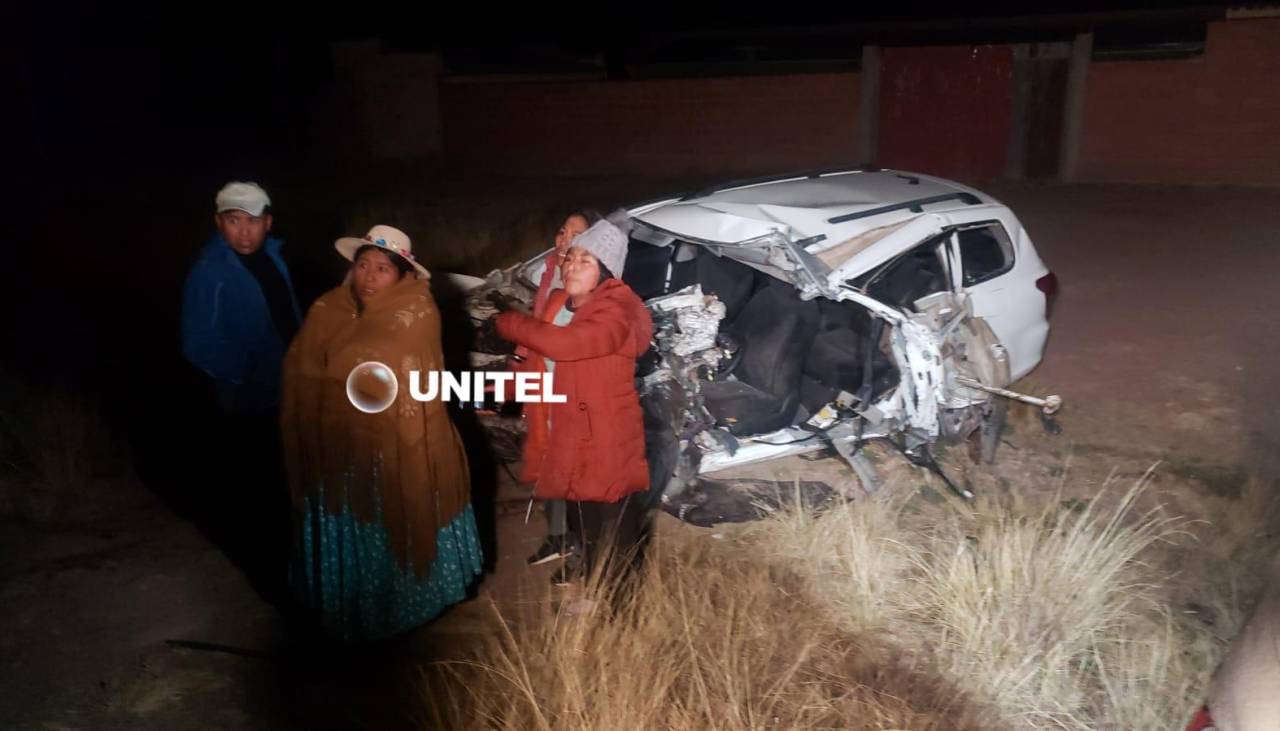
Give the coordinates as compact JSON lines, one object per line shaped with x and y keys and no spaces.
{"x":384,"y":237}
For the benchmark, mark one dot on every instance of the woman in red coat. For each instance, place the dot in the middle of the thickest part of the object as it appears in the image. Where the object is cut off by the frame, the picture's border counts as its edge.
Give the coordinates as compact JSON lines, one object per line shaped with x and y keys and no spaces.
{"x":557,"y":545}
{"x":591,"y":451}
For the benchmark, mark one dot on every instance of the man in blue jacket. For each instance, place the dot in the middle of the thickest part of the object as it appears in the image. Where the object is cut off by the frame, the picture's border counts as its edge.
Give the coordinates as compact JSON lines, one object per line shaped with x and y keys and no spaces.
{"x":239,"y":311}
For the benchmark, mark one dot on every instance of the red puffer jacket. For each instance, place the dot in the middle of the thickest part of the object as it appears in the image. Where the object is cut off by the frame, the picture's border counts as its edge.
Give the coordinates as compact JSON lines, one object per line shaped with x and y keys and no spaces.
{"x":595,"y":448}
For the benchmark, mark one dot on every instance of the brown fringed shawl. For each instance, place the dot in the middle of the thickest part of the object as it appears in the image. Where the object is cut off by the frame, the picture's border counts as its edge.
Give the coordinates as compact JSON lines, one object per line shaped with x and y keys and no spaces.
{"x":404,"y":466}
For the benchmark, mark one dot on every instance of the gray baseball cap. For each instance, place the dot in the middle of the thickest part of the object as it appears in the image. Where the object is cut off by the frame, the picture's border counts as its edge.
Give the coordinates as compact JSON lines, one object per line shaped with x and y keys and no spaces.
{"x":247,"y":197}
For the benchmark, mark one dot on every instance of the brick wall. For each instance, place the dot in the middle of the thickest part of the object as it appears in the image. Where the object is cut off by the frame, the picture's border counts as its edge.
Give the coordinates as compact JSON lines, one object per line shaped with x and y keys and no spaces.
{"x":1210,"y":119}
{"x":742,"y":125}
{"x":1213,"y":118}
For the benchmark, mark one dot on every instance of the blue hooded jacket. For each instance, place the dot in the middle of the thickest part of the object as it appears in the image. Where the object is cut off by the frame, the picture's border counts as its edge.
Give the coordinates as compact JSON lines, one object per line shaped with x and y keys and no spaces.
{"x":227,"y":330}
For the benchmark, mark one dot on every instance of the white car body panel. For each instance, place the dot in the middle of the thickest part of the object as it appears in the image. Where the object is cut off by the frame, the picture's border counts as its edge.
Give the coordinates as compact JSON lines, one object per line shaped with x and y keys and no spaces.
{"x":801,"y":209}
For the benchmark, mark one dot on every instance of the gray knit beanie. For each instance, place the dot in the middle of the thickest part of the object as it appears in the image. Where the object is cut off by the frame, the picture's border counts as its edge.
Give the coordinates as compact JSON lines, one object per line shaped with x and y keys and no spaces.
{"x":605,"y":242}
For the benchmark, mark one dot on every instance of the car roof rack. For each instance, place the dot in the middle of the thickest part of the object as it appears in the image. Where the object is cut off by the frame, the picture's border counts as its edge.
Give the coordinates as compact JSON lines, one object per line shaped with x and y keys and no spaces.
{"x":916,"y":205}
{"x":747,"y":182}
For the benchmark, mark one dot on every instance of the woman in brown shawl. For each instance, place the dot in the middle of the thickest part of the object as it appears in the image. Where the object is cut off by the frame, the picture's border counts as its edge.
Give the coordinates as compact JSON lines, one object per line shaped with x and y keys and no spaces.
{"x":386,"y":536}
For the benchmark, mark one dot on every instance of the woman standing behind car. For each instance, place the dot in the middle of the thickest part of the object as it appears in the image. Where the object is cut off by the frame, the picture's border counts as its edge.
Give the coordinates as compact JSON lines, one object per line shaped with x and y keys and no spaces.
{"x":578,"y":220}
{"x":593,"y":452}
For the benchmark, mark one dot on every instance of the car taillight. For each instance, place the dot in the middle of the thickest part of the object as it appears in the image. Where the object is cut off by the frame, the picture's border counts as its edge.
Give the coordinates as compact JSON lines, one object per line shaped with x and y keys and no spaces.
{"x":1202,"y":722}
{"x":1049,"y":285}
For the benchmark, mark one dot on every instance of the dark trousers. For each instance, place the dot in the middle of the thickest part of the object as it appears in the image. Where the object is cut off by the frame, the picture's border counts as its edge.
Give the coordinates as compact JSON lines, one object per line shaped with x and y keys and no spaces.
{"x":248,"y":512}
{"x":612,"y":535}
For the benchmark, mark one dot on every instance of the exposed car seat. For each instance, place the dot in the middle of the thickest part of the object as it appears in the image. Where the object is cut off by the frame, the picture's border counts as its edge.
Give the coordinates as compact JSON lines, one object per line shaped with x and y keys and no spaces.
{"x":836,"y":358}
{"x":775,"y":330}
{"x":835,"y":362}
{"x":684,"y":265}
{"x":646,"y":268}
{"x":731,"y":281}
{"x":846,"y":315}
{"x":646,"y":273}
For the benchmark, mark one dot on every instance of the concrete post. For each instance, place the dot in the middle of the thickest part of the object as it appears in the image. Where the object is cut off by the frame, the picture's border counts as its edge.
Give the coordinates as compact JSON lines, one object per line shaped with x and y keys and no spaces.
{"x":1016,"y":151}
{"x":868,"y":141}
{"x":1073,"y":111}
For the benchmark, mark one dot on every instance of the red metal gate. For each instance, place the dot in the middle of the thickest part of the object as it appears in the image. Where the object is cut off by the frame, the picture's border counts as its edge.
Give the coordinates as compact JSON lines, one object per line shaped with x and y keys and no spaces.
{"x":946,"y":110}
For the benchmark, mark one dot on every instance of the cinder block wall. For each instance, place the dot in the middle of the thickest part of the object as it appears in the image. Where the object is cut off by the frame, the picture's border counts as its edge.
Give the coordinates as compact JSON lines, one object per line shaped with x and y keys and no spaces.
{"x":743,"y":125}
{"x":1210,"y":119}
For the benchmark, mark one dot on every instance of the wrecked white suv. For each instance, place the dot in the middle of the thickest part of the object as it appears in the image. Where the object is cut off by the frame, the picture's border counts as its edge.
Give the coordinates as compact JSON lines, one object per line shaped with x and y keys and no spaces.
{"x":822,"y":311}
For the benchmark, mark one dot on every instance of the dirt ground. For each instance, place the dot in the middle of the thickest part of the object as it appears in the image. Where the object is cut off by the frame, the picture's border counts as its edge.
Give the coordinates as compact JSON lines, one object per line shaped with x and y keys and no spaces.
{"x":1166,"y":334}
{"x":1163,"y":347}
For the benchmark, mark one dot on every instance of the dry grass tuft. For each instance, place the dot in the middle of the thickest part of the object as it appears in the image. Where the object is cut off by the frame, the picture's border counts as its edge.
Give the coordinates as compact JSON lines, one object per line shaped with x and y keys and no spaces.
{"x":711,"y":641}
{"x":1013,"y":612}
{"x":1051,"y":613}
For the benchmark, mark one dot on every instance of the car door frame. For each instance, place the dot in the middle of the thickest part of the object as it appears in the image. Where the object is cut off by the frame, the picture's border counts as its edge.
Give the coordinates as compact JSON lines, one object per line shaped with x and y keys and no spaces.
{"x":1009,"y":301}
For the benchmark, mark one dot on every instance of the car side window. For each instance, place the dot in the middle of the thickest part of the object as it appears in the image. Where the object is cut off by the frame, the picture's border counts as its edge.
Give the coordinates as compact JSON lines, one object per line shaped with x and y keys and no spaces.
{"x":985,"y":252}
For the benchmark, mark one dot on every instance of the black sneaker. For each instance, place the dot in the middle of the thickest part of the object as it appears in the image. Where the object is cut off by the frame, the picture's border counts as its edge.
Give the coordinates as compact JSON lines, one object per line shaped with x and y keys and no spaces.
{"x":555,"y":547}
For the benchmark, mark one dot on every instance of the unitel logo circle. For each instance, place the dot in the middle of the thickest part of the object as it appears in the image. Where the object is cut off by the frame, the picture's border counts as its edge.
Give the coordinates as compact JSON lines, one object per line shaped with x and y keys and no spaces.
{"x":372,"y":387}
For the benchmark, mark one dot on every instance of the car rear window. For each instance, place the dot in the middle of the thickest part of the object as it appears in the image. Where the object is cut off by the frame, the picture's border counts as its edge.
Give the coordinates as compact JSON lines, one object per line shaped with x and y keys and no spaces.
{"x":985,"y":252}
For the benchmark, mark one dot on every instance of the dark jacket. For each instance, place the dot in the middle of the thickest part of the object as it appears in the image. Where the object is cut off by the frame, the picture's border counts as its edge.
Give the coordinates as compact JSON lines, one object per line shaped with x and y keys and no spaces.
{"x":227,"y":330}
{"x":594,"y":450}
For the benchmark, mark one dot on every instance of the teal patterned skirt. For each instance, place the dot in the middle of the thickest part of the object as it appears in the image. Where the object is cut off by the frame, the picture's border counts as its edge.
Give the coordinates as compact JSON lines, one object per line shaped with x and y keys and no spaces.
{"x":349,"y":580}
